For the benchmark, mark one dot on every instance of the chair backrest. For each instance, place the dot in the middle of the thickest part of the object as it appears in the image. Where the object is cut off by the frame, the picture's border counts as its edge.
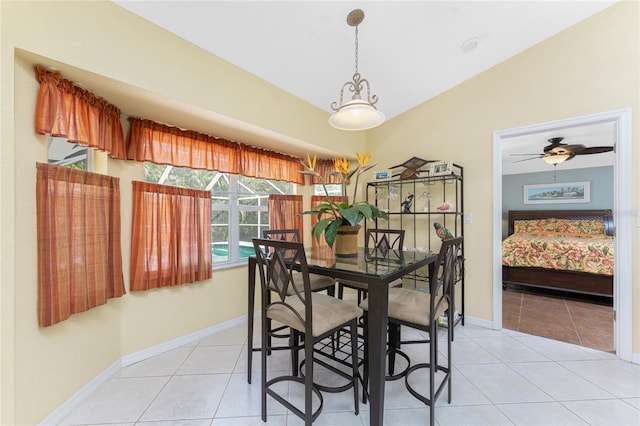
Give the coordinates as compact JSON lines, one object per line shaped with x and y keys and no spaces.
{"x":442,"y":281}
{"x":278,"y":262}
{"x":282,"y":234}
{"x":384,"y":239}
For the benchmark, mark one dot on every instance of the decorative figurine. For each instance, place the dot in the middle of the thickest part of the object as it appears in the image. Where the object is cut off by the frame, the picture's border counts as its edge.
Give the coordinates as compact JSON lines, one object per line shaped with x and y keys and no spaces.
{"x":442,"y":232}
{"x":406,"y":204}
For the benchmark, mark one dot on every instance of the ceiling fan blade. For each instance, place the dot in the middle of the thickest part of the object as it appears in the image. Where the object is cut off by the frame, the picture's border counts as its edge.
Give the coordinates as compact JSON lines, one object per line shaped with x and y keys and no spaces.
{"x":527,"y":159}
{"x":595,"y":150}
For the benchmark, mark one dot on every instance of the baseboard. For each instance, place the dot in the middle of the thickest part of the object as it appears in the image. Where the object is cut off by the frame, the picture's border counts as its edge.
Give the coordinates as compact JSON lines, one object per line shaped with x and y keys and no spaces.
{"x":478,"y":322}
{"x":180,"y":341}
{"x":70,"y":404}
{"x":635,"y":358}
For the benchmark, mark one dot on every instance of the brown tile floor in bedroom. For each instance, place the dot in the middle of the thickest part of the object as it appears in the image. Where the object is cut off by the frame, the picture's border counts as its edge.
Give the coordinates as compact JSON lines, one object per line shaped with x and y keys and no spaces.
{"x":582,"y":322}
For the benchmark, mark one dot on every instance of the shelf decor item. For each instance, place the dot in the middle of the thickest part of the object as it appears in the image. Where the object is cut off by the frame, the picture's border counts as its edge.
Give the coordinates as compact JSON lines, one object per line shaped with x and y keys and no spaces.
{"x":412,"y":168}
{"x":440,"y":168}
{"x":334,"y":215}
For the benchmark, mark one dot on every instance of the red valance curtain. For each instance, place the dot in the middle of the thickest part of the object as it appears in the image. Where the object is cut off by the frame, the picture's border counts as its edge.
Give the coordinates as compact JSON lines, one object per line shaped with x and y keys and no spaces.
{"x":171,"y":236}
{"x":327,"y":170}
{"x":79,"y":251}
{"x":315,"y":200}
{"x":162,"y":144}
{"x":69,"y":111}
{"x":283,"y":210}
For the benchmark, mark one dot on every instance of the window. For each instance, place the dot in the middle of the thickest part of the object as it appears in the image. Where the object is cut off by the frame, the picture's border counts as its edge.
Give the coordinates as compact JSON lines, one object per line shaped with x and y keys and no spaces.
{"x":332,"y":189}
{"x":238,"y":210}
{"x":68,"y":154}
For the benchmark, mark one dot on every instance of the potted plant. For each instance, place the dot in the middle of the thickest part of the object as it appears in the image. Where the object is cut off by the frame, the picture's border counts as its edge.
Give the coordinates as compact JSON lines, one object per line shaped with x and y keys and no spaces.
{"x":337,"y":217}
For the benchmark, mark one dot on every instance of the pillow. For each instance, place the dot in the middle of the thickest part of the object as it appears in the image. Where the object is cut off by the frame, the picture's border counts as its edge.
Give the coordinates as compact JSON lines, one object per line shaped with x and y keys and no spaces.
{"x":581,"y":226}
{"x":534,"y":226}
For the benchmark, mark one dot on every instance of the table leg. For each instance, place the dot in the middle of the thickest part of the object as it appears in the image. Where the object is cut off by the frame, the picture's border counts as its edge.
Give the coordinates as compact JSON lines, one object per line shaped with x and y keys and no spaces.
{"x":378,"y":299}
{"x":251,"y":289}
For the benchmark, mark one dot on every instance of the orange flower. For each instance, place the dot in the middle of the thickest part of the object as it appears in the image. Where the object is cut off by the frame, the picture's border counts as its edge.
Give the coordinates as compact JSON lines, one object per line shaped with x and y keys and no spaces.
{"x":362,"y":158}
{"x":342,"y":165}
{"x":310,"y":164}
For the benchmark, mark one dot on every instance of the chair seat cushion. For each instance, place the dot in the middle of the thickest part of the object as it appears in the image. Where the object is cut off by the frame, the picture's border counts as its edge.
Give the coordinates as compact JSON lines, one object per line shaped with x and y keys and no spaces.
{"x":408,"y":305}
{"x":328,"y":313}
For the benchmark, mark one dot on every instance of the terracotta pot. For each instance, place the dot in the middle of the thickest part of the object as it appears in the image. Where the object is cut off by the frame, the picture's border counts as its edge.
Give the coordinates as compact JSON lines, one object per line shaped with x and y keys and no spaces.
{"x":346,"y":243}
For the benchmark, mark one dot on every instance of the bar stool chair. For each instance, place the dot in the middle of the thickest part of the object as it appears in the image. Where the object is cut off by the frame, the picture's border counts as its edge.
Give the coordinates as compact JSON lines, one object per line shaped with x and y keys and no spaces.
{"x":420,"y":311}
{"x":383,"y":240}
{"x":311,"y":317}
{"x":318,"y":282}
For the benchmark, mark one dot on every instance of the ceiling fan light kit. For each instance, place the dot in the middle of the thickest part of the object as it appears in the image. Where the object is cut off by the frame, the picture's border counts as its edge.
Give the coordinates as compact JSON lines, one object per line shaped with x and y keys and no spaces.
{"x":556,"y":158}
{"x":557,"y":152}
{"x":358,"y":113}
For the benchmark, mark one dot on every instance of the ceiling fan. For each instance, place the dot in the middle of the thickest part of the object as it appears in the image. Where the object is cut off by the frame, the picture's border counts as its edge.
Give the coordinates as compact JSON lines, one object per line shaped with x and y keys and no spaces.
{"x":557,"y":152}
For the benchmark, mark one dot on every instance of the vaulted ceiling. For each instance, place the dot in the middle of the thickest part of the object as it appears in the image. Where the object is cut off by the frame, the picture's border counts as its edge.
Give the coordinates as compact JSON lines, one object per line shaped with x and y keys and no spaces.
{"x":410,"y":51}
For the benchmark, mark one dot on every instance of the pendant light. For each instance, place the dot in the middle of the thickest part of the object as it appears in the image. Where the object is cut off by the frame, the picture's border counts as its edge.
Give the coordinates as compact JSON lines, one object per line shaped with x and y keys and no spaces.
{"x":358,"y":113}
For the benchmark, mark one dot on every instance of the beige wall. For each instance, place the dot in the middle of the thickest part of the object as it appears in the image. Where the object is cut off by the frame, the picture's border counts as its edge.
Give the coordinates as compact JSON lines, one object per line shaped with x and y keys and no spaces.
{"x":590,"y":68}
{"x":113,"y":53}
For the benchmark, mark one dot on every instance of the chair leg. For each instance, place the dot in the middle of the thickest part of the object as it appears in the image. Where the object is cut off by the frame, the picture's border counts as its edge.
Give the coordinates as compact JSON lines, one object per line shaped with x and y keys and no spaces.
{"x":263,"y":374}
{"x":294,"y":338}
{"x":308,"y":380}
{"x":394,"y":343}
{"x":365,"y":367}
{"x":433,"y":363}
{"x":354,"y":363}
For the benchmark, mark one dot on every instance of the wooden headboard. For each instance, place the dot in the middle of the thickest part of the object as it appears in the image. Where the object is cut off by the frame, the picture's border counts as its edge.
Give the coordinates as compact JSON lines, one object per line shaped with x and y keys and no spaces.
{"x":604,"y":215}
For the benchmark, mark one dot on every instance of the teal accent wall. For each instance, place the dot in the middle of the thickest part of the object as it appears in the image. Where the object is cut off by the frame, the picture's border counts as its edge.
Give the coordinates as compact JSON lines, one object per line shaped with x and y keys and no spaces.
{"x":600,"y":178}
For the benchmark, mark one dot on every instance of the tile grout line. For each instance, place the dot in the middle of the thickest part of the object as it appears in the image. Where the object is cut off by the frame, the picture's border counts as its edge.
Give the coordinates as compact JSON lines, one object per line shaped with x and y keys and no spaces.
{"x":573,"y":324}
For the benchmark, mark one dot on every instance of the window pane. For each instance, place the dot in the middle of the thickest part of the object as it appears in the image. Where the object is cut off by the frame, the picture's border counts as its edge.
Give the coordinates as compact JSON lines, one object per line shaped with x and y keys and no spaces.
{"x":332,"y":189}
{"x":264,"y":217}
{"x":188,"y":178}
{"x":64,"y":153}
{"x":253,"y":200}
{"x":263,"y":186}
{"x":247,"y":232}
{"x":219,"y":217}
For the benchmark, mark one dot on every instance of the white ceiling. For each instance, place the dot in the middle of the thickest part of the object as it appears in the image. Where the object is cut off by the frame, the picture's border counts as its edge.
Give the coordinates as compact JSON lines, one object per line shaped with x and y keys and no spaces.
{"x":410,"y":51}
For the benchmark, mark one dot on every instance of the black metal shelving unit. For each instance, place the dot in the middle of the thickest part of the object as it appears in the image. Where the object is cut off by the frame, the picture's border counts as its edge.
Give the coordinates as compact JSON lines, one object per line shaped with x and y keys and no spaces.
{"x":430,"y":194}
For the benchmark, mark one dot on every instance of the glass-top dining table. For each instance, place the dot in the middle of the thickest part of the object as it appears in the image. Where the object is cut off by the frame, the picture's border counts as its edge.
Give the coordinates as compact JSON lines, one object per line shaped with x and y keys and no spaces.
{"x":374,"y":268}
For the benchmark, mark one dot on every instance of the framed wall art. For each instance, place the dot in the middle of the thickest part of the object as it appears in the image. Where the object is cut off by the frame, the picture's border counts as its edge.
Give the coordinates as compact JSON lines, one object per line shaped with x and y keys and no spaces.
{"x":556,"y":193}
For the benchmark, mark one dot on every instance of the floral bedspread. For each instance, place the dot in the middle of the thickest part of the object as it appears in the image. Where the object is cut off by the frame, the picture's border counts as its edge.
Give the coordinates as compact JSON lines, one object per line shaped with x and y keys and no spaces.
{"x":584,"y":252}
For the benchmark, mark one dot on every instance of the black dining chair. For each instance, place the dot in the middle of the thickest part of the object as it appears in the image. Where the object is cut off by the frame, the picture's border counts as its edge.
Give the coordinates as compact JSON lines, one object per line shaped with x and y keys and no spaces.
{"x":318,"y":282}
{"x":419,"y":310}
{"x":382,"y":241}
{"x":310,"y":316}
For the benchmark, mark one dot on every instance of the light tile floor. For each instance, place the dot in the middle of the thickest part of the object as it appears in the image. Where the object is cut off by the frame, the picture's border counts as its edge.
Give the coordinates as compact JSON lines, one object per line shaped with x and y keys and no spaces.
{"x":500,"y":378}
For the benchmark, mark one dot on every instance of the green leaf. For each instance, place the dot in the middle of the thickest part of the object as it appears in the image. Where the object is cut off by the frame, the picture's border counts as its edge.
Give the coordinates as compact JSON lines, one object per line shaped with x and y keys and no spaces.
{"x":331,"y":231}
{"x":365,"y":209}
{"x":320,"y":227}
{"x":352,"y":215}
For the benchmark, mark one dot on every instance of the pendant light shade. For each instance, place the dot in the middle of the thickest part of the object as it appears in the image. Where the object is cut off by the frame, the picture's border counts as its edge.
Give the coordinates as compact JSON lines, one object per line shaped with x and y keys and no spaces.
{"x":358,"y":113}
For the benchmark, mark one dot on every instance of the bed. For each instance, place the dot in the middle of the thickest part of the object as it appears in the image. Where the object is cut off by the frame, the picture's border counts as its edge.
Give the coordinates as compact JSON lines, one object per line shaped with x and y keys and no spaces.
{"x":566,"y":250}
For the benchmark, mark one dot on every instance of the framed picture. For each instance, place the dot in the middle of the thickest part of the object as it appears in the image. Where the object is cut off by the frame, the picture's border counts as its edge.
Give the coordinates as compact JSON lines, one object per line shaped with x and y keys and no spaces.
{"x":439,"y":168}
{"x":555,"y":193}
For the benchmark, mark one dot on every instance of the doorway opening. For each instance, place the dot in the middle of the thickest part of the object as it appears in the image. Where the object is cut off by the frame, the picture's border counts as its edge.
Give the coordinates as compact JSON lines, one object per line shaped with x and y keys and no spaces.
{"x":620,"y":121}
